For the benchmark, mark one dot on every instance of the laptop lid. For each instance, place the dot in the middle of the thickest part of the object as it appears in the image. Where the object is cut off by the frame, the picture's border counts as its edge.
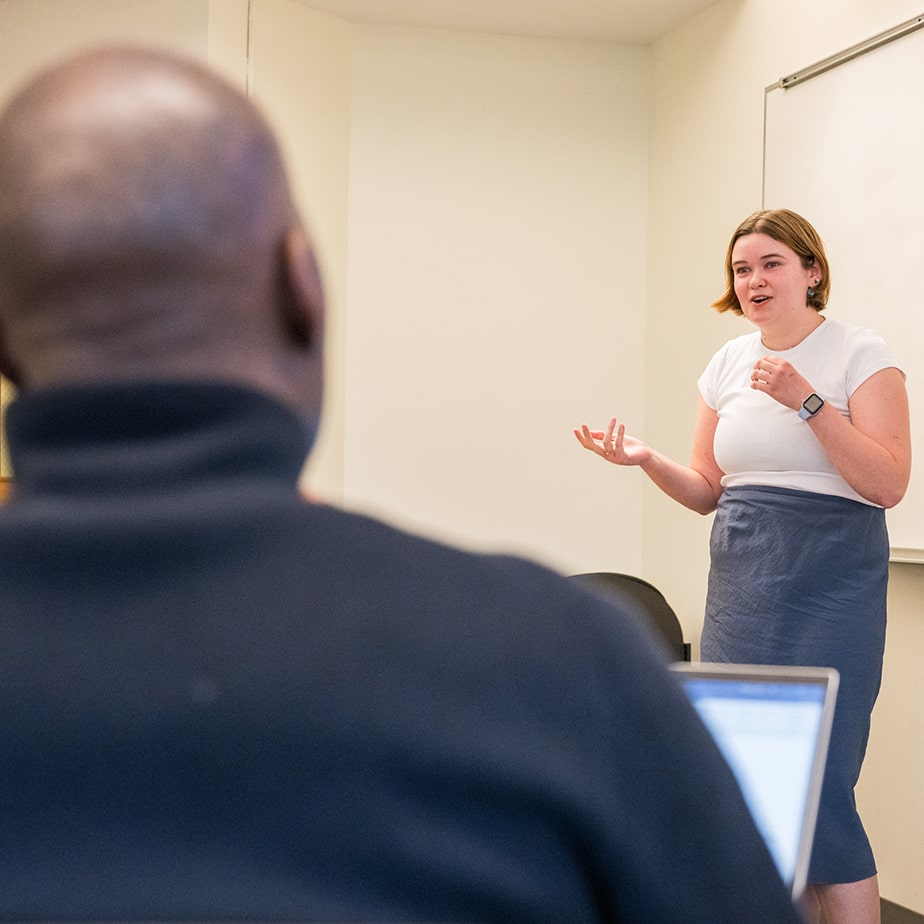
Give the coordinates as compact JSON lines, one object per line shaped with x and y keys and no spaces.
{"x":773,"y":725}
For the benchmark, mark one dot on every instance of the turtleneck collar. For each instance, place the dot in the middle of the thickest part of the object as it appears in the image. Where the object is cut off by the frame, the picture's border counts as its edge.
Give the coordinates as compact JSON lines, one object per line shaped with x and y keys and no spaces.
{"x":150,"y":436}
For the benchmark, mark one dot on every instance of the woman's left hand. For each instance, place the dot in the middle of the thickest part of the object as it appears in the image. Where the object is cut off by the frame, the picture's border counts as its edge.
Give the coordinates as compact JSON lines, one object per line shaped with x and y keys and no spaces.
{"x":780,"y":379}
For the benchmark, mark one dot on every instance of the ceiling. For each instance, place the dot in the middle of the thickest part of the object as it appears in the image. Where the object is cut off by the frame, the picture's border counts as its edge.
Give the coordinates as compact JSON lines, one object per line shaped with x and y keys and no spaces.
{"x":635,"y":22}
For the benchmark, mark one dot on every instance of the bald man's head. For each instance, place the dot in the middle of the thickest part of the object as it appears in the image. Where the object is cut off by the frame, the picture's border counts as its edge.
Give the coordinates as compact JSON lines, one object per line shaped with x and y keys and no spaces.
{"x":145,"y":215}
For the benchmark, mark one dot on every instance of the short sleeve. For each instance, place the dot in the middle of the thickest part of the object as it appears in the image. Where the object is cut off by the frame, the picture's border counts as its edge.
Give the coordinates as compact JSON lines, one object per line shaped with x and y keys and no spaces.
{"x":869,"y":354}
{"x":706,"y":381}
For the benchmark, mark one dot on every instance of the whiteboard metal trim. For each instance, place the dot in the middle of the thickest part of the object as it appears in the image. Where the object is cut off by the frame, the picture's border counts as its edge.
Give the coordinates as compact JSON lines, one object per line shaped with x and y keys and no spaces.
{"x":848,"y":54}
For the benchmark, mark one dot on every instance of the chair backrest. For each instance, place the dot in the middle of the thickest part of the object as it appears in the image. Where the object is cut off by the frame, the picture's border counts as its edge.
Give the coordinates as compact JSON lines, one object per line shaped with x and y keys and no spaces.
{"x":642,"y":600}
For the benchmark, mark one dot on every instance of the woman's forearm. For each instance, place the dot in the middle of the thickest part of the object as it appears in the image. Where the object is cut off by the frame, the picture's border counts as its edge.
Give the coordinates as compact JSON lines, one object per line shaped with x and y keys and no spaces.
{"x":683,"y":483}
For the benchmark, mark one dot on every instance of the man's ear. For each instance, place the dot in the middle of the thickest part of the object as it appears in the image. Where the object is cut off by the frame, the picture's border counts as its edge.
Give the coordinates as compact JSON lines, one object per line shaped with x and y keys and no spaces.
{"x":8,"y":369}
{"x":302,"y":294}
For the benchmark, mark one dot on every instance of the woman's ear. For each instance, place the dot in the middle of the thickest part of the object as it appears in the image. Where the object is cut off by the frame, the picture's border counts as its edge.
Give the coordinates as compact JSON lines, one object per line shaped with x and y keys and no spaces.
{"x":302,"y":294}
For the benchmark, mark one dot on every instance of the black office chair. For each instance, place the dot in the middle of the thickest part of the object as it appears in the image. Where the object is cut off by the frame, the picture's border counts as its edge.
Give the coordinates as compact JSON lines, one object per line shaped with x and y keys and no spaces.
{"x":642,"y":600}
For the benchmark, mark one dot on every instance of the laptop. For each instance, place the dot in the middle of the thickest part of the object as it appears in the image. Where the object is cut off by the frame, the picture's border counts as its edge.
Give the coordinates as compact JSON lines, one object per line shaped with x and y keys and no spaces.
{"x":773,"y":725}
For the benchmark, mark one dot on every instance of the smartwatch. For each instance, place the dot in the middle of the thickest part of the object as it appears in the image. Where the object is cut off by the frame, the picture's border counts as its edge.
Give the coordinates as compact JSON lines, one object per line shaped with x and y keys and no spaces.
{"x":811,"y":406}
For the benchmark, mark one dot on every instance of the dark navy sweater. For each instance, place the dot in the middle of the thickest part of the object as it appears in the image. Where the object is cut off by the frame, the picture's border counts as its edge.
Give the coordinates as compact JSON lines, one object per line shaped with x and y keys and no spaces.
{"x":218,"y":700}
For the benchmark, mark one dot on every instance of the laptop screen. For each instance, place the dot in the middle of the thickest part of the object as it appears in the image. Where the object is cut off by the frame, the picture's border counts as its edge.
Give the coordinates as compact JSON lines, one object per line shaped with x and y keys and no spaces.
{"x":772,"y":725}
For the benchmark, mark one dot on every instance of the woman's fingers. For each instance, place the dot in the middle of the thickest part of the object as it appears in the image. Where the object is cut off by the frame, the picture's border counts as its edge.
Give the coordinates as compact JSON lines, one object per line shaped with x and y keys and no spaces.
{"x":606,"y":443}
{"x":590,"y":439}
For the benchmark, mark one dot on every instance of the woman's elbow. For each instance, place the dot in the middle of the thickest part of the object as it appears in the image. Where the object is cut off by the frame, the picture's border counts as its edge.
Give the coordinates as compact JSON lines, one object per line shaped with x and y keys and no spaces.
{"x":888,"y":494}
{"x":889,"y":499}
{"x":704,"y":504}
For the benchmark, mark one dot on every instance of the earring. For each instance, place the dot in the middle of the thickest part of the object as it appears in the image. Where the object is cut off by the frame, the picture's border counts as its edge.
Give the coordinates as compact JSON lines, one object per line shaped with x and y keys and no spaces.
{"x":810,"y":292}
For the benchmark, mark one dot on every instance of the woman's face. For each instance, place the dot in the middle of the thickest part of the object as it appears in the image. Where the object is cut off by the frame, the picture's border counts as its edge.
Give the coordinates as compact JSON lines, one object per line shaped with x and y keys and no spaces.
{"x":770,"y":281}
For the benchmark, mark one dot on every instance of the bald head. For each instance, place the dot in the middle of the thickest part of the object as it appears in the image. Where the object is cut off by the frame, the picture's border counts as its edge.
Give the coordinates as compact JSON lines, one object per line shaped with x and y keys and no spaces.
{"x":147,"y":229}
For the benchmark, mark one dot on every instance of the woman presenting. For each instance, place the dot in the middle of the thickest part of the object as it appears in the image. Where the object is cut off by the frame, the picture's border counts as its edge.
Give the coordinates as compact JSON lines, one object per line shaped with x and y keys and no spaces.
{"x":802,"y":437}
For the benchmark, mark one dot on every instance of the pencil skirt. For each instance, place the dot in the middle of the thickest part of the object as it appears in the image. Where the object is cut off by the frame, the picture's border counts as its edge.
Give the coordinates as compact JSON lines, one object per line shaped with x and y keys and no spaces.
{"x":798,"y":578}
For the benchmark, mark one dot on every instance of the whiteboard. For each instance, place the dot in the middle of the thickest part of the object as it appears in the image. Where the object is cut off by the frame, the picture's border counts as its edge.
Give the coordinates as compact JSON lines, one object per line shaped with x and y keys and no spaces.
{"x":846,"y":150}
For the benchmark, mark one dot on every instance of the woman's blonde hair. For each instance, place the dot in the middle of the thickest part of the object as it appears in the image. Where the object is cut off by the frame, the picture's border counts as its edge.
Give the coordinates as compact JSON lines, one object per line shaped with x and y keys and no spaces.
{"x":796,"y":233}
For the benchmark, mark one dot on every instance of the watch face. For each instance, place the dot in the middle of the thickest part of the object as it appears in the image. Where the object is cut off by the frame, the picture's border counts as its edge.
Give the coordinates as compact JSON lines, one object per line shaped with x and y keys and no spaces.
{"x":813,"y":404}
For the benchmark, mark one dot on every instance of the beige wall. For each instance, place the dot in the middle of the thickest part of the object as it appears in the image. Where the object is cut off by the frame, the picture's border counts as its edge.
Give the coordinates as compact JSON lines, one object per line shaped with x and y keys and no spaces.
{"x":496,"y":287}
{"x":518,"y":235}
{"x":708,"y":81}
{"x":35,"y":31}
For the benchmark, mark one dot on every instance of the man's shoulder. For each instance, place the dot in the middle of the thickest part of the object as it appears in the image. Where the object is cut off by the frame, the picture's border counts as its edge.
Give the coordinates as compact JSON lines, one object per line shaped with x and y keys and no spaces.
{"x":413,"y":570}
{"x":362,"y":537}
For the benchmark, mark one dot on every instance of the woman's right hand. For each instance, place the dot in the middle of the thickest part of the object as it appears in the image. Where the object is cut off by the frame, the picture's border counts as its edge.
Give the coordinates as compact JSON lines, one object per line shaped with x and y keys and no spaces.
{"x":613,"y":445}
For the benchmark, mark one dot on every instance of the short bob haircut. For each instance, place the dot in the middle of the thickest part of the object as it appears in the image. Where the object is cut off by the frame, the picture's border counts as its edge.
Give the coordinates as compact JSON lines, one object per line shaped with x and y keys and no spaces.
{"x":796,"y":233}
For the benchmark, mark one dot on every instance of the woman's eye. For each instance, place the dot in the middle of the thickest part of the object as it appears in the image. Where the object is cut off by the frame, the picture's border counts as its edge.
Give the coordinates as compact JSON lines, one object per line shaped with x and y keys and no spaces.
{"x":740,"y":270}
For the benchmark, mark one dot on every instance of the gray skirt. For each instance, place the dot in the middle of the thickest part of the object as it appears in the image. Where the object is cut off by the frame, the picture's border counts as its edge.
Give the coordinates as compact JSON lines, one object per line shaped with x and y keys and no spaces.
{"x":800,"y":578}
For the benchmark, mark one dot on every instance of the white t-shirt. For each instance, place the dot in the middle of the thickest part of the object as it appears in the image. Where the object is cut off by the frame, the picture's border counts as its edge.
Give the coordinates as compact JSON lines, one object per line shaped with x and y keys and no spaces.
{"x":758,"y":440}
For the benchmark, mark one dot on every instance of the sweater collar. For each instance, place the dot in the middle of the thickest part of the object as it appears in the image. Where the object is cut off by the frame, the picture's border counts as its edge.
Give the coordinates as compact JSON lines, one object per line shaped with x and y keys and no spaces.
{"x":148,"y":436}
